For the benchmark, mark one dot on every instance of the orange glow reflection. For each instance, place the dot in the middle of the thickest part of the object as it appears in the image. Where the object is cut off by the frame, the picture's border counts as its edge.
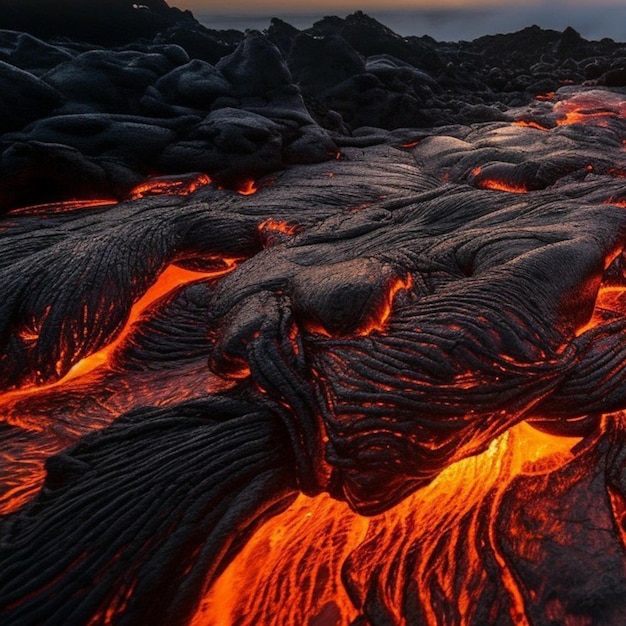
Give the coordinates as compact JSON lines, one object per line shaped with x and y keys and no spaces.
{"x":290,"y":573}
{"x":171,"y":278}
{"x":592,"y":107}
{"x":22,"y":469}
{"x":279,"y":227}
{"x":378,"y":320}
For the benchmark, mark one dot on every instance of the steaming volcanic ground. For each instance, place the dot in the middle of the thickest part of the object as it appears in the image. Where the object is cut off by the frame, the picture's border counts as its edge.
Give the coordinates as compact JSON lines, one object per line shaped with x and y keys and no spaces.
{"x":317,"y":327}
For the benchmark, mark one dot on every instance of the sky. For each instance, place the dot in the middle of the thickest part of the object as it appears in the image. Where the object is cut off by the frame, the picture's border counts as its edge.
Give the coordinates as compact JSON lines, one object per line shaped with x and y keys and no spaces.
{"x":445,"y":20}
{"x":289,"y":6}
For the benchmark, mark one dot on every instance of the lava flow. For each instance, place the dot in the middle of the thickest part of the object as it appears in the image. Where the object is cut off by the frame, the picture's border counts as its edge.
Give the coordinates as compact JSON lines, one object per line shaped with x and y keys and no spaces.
{"x":530,"y":124}
{"x":610,"y":304}
{"x":501,"y":185}
{"x":595,"y":107}
{"x":43,"y":438}
{"x":437,"y":542}
{"x":169,"y":186}
{"x":496,"y":184}
{"x":169,"y":280}
{"x":67,"y":206}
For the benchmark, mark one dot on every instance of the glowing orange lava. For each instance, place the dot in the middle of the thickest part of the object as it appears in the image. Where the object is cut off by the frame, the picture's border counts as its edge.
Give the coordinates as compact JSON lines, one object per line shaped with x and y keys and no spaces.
{"x":293,"y":570}
{"x":26,"y":472}
{"x":170,"y":186}
{"x":580,"y":117}
{"x":530,"y":124}
{"x":372,"y":321}
{"x":500,"y":185}
{"x":378,"y":320}
{"x":279,"y":227}
{"x":610,"y":302}
{"x":247,"y":188}
{"x":54,"y":208}
{"x":171,"y":278}
{"x":497,"y":185}
{"x":18,"y":490}
{"x":592,"y":107}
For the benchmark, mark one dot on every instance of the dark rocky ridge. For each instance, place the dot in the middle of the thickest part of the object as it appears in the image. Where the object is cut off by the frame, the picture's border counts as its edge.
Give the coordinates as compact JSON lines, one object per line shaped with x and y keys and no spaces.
{"x":177,"y":97}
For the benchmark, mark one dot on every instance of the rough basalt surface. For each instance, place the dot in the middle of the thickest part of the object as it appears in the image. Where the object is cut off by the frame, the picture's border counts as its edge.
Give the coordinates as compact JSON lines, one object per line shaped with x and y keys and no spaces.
{"x":388,"y":257}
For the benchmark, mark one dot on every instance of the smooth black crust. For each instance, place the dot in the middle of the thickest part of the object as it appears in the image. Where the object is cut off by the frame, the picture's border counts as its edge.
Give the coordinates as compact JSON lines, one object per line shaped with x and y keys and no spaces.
{"x":484,"y":331}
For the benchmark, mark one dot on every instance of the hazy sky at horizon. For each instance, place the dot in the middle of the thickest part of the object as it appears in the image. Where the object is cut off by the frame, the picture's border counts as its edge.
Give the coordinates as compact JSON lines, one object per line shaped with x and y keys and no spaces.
{"x":340,"y":6}
{"x":445,"y":20}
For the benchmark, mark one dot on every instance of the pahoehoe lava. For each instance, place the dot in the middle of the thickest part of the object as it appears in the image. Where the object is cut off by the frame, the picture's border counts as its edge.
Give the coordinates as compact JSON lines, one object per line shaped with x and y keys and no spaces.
{"x":319,"y":326}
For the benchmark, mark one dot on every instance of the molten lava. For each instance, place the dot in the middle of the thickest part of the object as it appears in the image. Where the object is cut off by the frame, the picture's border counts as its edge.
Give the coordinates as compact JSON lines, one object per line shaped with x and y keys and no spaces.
{"x":247,"y":188}
{"x":501,"y":185}
{"x":169,"y":185}
{"x":610,"y":303}
{"x":45,"y":439}
{"x":496,"y":184}
{"x":374,"y":320}
{"x":378,"y":320}
{"x":172,"y":278}
{"x":530,"y":124}
{"x":67,"y":206}
{"x":593,"y":107}
{"x":300,"y":564}
{"x":279,"y":227}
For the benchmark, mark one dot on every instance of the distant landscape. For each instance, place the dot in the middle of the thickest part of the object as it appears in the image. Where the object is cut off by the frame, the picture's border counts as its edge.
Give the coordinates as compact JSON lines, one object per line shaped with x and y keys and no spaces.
{"x":593,"y":22}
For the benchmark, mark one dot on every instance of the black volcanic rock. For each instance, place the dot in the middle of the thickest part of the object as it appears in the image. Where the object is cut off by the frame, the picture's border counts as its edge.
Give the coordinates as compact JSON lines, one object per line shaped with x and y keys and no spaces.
{"x":613,"y":78}
{"x":106,"y":80}
{"x":104,"y":22}
{"x":24,"y":97}
{"x":319,"y":63}
{"x":282,"y":35}
{"x":29,"y":53}
{"x":231,"y":144}
{"x":369,"y":37}
{"x":288,"y":96}
{"x":256,"y":68}
{"x":528,"y":44}
{"x":195,"y":85}
{"x":572,"y":45}
{"x":200,"y":43}
{"x":34,"y":172}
